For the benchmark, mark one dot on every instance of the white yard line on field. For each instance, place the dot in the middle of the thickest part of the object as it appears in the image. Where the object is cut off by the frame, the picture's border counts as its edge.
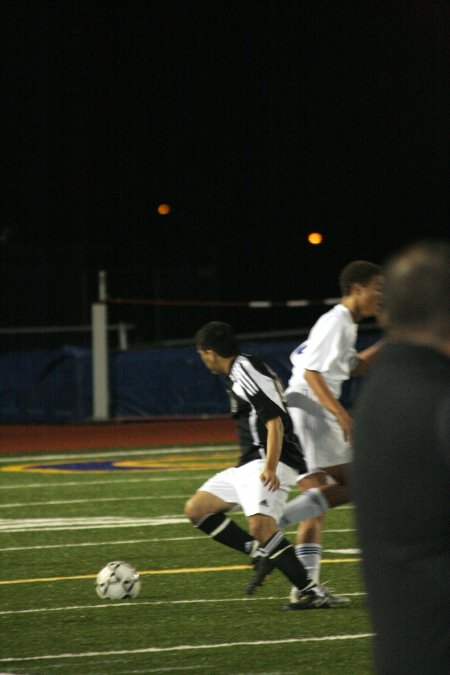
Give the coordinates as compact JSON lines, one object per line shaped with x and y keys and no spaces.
{"x":89,"y":500}
{"x":177,"y":648}
{"x":102,"y":522}
{"x":123,"y":542}
{"x":136,"y":604}
{"x":165,"y":571}
{"x":81,"y":483}
{"x":84,"y":523}
{"x":157,"y":540}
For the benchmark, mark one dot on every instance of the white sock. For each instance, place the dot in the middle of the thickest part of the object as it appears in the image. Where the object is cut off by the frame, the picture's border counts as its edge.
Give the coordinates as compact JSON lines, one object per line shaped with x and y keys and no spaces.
{"x":310,"y":556}
{"x":309,"y":504}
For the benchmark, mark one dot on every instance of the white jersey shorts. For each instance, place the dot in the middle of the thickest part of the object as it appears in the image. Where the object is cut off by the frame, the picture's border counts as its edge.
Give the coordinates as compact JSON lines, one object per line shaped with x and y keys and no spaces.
{"x":318,"y":430}
{"x":242,"y":486}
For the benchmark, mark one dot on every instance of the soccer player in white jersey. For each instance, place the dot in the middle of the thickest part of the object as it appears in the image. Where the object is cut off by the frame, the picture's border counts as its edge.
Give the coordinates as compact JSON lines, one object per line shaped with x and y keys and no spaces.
{"x":269,"y":464}
{"x":324,"y":427}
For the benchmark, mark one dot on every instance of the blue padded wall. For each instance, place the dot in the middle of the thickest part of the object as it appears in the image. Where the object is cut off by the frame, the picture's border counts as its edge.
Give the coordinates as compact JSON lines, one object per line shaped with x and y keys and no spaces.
{"x":55,"y":386}
{"x":46,"y":386}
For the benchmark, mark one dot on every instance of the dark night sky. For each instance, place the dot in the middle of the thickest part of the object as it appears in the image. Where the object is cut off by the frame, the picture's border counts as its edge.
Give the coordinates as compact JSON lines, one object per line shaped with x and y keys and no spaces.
{"x":257,"y":121}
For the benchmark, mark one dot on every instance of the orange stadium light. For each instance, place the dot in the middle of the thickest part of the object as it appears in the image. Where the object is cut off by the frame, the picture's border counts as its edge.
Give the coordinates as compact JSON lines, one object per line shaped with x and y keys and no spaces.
{"x":315,"y":238}
{"x":163,"y":209}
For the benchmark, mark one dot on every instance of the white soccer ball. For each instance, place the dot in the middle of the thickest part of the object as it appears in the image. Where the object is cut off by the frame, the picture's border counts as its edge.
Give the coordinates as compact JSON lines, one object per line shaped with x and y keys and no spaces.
{"x":118,"y":580}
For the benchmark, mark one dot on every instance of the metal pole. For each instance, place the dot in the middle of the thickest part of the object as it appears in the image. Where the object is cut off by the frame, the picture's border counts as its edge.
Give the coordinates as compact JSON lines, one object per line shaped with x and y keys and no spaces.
{"x":123,"y":336}
{"x":100,"y":374}
{"x":102,"y":286}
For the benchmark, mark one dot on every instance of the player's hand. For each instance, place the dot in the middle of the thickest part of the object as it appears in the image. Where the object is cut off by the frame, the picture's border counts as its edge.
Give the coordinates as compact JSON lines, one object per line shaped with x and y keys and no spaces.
{"x":270,"y":479}
{"x":345,"y":421}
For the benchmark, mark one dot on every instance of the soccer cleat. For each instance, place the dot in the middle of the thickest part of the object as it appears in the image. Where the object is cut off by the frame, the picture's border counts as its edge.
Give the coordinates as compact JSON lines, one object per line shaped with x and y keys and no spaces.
{"x":310,"y":597}
{"x":263,"y":566}
{"x":335,"y":600}
{"x":315,"y":598}
{"x":294,"y":595}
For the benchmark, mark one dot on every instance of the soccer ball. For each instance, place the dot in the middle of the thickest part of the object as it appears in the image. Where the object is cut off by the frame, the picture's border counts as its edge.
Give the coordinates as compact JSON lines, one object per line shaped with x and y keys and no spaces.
{"x":118,"y":580}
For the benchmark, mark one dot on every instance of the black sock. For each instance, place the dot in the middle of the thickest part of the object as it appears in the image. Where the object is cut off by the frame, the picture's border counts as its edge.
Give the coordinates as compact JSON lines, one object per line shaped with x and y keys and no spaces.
{"x":281,"y":554}
{"x":225,"y":531}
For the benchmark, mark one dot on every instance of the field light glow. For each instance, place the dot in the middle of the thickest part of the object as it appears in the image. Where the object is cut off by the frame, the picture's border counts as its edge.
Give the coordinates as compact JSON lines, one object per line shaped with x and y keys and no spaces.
{"x":315,"y":238}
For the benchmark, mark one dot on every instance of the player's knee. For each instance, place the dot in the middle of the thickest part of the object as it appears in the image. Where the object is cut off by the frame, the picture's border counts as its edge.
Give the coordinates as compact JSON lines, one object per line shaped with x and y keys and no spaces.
{"x":192,"y":510}
{"x":254,"y":530}
{"x":309,"y":530}
{"x":262,"y":529}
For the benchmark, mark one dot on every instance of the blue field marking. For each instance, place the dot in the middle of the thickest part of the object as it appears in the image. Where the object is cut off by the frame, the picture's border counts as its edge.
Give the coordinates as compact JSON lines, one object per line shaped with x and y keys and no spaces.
{"x":102,"y":465}
{"x":94,"y":466}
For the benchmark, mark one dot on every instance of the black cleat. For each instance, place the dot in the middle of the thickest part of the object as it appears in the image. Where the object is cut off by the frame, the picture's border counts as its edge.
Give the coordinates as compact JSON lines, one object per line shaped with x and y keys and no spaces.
{"x":263,"y":567}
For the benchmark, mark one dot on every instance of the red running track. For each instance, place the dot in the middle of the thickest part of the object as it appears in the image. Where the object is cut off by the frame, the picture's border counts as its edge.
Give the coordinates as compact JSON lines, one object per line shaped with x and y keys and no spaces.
{"x":16,"y":438}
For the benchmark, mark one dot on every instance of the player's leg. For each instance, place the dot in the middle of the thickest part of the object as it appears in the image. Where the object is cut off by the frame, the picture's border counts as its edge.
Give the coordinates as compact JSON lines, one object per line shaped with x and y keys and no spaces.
{"x":263,"y":508}
{"x":307,"y":417}
{"x":324,"y":448}
{"x":313,"y":503}
{"x":304,"y":413}
{"x":276,"y":551}
{"x":308,"y":547}
{"x":326,"y":452}
{"x":206,"y":510}
{"x":340,"y":473}
{"x":308,"y":539}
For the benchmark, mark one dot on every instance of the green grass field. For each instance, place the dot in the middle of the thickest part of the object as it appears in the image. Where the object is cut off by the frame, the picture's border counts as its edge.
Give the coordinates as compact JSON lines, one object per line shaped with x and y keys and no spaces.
{"x":58,"y":527}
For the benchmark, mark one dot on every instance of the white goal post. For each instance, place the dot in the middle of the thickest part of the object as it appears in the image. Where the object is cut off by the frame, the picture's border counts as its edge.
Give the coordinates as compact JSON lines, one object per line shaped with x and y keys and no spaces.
{"x":100,"y":366}
{"x":100,"y":350}
{"x":100,"y":370}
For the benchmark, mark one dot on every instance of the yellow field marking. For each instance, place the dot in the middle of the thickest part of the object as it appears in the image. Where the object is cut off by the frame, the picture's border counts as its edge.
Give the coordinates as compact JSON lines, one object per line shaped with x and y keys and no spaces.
{"x":185,"y":570}
{"x":179,"y":460}
{"x":176,"y":462}
{"x":25,"y":468}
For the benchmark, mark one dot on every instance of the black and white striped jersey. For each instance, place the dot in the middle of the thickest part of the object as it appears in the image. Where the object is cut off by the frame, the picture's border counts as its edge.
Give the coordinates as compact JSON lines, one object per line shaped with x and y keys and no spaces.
{"x":256,"y":396}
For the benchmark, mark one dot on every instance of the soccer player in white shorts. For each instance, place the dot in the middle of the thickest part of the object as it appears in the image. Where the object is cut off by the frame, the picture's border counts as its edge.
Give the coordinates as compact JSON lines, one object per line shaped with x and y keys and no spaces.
{"x":269,"y":464}
{"x":241,"y":485}
{"x":320,"y":366}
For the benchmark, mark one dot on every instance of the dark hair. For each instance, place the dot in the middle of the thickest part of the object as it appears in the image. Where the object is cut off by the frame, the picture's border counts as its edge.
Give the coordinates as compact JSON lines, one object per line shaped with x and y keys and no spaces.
{"x":357,"y":272}
{"x":417,"y":289}
{"x":218,"y":336}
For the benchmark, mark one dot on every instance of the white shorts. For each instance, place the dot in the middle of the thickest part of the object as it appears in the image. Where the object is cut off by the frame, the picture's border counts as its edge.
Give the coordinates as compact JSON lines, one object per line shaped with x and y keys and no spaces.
{"x":320,"y":433}
{"x":242,"y":485}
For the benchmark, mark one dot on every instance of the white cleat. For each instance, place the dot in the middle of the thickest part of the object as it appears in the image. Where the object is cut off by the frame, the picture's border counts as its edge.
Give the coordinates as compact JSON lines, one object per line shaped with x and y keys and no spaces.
{"x":329,"y":600}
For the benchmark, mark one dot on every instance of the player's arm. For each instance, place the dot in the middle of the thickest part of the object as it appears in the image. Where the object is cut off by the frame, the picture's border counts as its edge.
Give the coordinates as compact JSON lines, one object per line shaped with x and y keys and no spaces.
{"x":275,"y":433}
{"x":366,"y":358}
{"x":319,"y":386}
